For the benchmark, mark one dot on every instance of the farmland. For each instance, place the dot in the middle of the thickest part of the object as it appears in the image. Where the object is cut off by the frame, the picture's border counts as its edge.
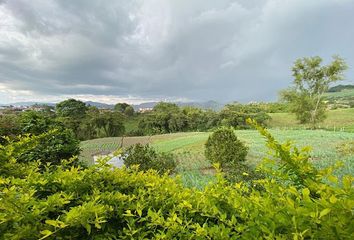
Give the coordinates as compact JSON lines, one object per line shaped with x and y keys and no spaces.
{"x":338,"y":119}
{"x":196,"y":171}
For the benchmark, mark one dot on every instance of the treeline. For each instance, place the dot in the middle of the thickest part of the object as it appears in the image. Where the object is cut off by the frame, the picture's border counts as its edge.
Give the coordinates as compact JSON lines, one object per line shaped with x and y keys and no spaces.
{"x":88,"y":122}
{"x":85,"y":122}
{"x":169,"y":118}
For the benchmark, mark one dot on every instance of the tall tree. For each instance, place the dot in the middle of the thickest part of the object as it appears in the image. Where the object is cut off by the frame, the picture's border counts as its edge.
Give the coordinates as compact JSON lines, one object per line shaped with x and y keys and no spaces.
{"x":72,"y":112}
{"x":311,"y":81}
{"x":120,"y":107}
{"x":71,"y":108}
{"x":111,"y":123}
{"x":129,"y":111}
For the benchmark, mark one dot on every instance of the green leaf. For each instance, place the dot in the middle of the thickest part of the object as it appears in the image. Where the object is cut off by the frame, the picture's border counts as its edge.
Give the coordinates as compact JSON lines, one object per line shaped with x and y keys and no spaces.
{"x":324,"y":212}
{"x":46,"y":234}
{"x":333,"y":199}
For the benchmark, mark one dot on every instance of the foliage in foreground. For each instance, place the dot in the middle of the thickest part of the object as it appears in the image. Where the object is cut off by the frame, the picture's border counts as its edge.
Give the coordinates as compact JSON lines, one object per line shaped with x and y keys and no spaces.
{"x":99,"y":202}
{"x":49,"y":148}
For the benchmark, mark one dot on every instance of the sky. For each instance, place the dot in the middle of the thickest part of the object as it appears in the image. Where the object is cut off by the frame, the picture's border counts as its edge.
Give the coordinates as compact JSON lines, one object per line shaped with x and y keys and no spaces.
{"x":172,"y":50}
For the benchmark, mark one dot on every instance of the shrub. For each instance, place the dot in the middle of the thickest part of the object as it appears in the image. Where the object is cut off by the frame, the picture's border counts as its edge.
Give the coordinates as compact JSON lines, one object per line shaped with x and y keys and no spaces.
{"x":47,"y":148}
{"x":147,"y":158}
{"x":223,"y":147}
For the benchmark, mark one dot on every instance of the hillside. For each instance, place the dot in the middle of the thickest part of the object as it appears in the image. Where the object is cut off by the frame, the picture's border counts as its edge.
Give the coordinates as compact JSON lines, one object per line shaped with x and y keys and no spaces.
{"x":340,"y":88}
{"x":341,"y":96}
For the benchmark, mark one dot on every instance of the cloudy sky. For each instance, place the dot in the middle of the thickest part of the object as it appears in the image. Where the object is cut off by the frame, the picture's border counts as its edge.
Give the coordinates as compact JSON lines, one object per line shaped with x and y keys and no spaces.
{"x":135,"y":51}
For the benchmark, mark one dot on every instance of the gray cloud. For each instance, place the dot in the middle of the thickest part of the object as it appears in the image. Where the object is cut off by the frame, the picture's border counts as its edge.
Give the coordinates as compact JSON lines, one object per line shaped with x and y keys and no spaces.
{"x":223,"y":50}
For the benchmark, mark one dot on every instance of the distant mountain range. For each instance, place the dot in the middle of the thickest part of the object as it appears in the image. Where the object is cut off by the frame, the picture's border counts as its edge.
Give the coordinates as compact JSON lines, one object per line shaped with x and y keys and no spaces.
{"x":213,"y":105}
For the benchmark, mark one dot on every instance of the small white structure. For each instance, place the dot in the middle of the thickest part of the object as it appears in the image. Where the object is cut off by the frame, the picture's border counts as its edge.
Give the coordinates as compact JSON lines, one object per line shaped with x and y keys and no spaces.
{"x":116,"y":161}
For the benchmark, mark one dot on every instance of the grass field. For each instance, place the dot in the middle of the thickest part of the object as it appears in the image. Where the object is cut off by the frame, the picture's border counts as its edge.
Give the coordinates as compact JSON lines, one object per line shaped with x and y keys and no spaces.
{"x":337,"y":120}
{"x":196,"y":171}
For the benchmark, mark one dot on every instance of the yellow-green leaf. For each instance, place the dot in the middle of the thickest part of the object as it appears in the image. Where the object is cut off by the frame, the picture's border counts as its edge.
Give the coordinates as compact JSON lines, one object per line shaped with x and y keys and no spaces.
{"x":333,"y":199}
{"x":324,"y":212}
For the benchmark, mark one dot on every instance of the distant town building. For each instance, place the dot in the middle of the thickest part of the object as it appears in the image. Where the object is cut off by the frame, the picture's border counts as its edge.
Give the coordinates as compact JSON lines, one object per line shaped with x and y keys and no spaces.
{"x":142,"y":110}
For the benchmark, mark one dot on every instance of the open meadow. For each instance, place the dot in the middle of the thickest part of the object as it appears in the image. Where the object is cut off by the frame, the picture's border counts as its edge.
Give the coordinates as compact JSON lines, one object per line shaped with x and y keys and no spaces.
{"x":337,"y":120}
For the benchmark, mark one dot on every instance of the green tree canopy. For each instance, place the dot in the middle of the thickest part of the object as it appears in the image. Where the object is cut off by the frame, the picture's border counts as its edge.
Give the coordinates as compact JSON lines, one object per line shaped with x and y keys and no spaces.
{"x":71,"y":108}
{"x":129,"y":111}
{"x":120,"y":107}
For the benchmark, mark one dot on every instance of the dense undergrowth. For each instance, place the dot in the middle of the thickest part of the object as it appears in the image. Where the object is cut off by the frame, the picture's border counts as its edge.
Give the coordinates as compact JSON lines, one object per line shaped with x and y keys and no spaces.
{"x":295,"y":201}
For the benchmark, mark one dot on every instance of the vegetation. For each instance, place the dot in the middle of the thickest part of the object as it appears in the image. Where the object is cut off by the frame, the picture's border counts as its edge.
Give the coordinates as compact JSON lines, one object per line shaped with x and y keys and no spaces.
{"x":100,"y":202}
{"x":196,"y":170}
{"x":235,"y":115}
{"x":311,"y":82}
{"x":9,"y":126}
{"x":146,"y":158}
{"x":339,"y":88}
{"x":223,"y":147}
{"x":169,"y":118}
{"x":342,"y":99}
{"x":337,"y":120}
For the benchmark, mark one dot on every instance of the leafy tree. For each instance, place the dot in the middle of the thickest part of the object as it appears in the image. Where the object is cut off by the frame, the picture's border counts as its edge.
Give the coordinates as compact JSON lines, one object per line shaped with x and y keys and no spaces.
{"x":147,"y":158}
{"x":71,"y":112}
{"x":88,"y":126}
{"x":311,"y":81}
{"x":120,"y":107}
{"x":236,"y":114}
{"x":111,"y":123}
{"x":166,"y":107}
{"x":165,"y":118}
{"x":36,"y":122}
{"x":72,"y":108}
{"x":198,"y":119}
{"x":223,"y":147}
{"x":129,"y":111}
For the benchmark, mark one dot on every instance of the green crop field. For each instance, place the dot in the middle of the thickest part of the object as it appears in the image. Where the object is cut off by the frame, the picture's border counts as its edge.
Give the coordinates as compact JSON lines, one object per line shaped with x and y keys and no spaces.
{"x":195,"y":170}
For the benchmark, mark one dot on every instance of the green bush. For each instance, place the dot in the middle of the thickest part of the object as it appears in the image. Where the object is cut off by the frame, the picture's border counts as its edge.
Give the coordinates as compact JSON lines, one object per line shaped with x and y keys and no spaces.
{"x":101,"y":202}
{"x":147,"y":158}
{"x":223,"y":147}
{"x":47,"y":148}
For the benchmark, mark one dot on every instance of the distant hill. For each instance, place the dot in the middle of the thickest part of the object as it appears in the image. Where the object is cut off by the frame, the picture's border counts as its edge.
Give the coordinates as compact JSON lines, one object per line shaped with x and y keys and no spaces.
{"x":340,"y":96}
{"x":100,"y":105}
{"x":340,"y":88}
